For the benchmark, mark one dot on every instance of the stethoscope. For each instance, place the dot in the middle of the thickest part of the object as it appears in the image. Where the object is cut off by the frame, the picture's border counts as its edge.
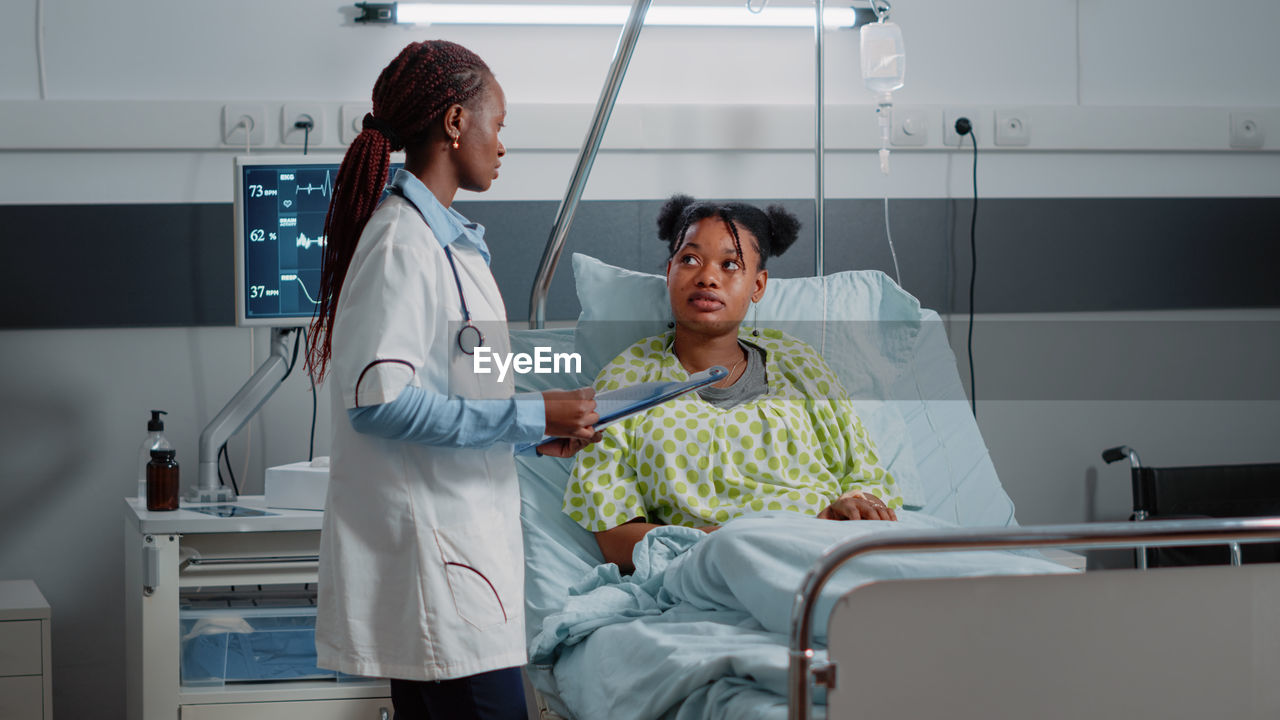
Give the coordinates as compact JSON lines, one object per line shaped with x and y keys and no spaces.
{"x":469,"y":336}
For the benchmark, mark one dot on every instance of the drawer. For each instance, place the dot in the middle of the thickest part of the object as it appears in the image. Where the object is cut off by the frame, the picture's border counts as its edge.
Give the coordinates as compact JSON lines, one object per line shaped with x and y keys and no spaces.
{"x":20,"y":648}
{"x":22,"y":698}
{"x":361,"y":709}
{"x":249,"y":645}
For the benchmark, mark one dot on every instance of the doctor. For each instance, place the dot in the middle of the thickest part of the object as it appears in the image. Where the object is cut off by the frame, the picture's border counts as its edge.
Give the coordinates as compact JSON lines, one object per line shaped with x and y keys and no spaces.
{"x":421,"y":561}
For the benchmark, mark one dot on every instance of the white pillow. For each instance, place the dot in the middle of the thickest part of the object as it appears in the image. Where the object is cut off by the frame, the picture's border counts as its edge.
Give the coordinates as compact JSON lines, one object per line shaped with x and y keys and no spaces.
{"x":861,"y":322}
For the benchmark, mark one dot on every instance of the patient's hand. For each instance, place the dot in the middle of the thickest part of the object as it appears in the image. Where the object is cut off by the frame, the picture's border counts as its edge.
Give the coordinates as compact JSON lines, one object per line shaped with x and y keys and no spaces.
{"x":566,"y":447}
{"x":617,"y":543}
{"x":858,"y":506}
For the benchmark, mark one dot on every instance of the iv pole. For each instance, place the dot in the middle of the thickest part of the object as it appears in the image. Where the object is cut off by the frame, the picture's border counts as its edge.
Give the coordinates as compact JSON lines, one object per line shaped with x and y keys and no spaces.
{"x":591,"y":145}
{"x":819,"y":144}
{"x":586,"y":157}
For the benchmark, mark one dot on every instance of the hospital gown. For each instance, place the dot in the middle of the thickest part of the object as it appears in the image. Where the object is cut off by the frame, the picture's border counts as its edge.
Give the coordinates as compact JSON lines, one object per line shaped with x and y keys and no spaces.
{"x":687,"y":462}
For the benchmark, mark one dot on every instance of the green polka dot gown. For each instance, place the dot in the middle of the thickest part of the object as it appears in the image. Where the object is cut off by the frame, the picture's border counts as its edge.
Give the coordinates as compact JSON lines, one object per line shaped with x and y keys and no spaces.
{"x":687,"y":462}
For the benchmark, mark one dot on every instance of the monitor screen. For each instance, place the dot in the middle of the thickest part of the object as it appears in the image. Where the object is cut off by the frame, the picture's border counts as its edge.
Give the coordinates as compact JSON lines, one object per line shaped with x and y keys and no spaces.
{"x":280,"y":207}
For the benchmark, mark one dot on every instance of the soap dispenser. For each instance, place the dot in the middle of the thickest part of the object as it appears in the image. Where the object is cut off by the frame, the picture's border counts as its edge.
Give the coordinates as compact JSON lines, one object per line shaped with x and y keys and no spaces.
{"x":155,"y":441}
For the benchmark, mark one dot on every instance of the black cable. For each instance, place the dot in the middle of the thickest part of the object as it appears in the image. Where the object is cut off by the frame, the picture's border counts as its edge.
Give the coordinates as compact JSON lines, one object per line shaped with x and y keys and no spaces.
{"x":311,"y":448}
{"x":973,"y":274}
{"x":225,"y":455}
{"x":305,"y":126}
{"x":294,"y":360}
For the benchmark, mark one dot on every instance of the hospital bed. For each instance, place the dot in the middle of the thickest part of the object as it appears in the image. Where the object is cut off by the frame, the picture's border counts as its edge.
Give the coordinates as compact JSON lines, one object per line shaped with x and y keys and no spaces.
{"x":1023,"y":643}
{"x":979,"y":636}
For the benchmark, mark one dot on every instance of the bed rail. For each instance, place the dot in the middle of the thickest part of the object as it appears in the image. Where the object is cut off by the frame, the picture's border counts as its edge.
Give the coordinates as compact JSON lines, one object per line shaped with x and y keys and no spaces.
{"x":1115,"y":535}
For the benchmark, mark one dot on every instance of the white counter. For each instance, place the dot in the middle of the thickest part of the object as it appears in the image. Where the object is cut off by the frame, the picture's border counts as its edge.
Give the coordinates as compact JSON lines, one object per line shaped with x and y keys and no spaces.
{"x":187,"y":521}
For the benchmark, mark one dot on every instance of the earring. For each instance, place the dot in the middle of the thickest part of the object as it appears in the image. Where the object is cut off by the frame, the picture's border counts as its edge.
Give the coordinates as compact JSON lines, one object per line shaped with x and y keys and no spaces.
{"x":670,"y":324}
{"x":755,"y":315}
{"x":455,"y":143}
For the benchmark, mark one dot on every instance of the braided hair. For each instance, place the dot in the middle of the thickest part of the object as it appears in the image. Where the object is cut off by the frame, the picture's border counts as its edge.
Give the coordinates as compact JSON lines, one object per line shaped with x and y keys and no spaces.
{"x":774,"y":229}
{"x":410,"y":97}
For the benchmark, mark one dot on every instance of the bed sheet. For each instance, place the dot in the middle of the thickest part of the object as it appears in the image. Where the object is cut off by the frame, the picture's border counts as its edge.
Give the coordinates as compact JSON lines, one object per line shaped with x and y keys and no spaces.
{"x":700,"y":629}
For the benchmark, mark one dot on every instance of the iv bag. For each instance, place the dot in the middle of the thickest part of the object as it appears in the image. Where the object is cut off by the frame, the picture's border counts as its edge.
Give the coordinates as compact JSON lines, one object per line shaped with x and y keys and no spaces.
{"x":884,"y":61}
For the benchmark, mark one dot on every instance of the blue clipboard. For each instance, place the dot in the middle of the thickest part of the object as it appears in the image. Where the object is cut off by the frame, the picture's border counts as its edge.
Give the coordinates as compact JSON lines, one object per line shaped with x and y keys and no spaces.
{"x":622,"y":403}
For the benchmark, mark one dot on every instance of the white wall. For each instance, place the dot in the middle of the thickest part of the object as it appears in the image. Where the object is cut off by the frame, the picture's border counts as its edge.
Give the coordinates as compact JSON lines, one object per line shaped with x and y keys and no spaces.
{"x":73,"y":402}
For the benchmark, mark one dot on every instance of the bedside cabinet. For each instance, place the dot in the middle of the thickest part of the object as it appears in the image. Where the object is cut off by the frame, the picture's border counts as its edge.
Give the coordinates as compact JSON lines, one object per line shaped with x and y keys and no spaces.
{"x":25,"y":674}
{"x":209,"y":594}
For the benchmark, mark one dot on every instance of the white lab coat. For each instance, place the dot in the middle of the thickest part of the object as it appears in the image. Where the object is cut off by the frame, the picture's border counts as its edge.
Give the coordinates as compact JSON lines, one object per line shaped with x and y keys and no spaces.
{"x":421,"y":558}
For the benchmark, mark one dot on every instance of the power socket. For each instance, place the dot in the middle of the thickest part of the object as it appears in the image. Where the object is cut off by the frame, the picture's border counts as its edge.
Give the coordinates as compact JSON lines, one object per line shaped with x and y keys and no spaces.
{"x":949,"y":117}
{"x":290,"y":134}
{"x":1246,"y":131}
{"x":351,"y":121}
{"x":910,"y":127}
{"x":234,"y":119}
{"x":1013,"y":128}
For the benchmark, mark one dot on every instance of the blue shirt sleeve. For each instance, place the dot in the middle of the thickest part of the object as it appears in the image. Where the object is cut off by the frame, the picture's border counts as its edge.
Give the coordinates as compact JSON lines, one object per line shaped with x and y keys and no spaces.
{"x":430,"y":418}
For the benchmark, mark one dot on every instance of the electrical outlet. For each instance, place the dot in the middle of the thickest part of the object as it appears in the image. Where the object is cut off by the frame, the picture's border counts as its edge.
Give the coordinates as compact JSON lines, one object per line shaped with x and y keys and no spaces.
{"x":910,"y":127}
{"x":292,"y":113}
{"x":1247,"y":131}
{"x":949,"y":117}
{"x":1013,"y":127}
{"x":234,"y":121}
{"x":352,"y":121}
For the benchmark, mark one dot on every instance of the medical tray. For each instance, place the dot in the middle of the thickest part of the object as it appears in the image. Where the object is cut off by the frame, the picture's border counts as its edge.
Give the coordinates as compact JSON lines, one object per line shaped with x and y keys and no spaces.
{"x":249,"y":644}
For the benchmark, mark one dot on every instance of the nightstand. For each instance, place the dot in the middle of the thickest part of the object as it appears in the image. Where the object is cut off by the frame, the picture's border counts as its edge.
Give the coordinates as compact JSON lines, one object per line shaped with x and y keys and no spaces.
{"x":25,"y":670}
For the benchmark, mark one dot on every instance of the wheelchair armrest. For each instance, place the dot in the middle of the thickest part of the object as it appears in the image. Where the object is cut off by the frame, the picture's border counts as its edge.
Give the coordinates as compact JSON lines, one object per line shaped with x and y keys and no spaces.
{"x":1114,"y":454}
{"x":1121,"y":452}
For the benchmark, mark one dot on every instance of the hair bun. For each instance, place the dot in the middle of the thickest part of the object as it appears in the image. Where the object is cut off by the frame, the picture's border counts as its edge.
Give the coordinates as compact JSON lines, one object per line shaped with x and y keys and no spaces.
{"x":785,"y":227}
{"x":669,"y":216}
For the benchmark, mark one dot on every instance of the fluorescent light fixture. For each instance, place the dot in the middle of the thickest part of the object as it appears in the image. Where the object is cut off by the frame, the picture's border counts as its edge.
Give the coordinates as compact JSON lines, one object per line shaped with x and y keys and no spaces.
{"x":432,"y":13}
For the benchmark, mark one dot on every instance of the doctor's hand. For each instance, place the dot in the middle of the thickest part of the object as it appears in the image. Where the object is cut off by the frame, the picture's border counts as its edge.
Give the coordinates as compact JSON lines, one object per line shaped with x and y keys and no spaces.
{"x":858,"y":506}
{"x":571,"y":414}
{"x":566,"y":447}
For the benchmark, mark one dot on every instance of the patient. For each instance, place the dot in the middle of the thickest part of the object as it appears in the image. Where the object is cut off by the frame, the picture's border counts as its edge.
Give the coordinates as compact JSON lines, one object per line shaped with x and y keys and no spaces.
{"x":778,"y":433}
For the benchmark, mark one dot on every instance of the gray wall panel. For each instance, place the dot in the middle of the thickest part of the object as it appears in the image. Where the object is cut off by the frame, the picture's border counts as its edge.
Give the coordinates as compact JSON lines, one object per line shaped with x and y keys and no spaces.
{"x":116,"y":266}
{"x":171,"y":265}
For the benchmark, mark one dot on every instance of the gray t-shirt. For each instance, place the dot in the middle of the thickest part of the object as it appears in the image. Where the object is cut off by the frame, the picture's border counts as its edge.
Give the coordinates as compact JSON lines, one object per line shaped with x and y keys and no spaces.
{"x":751,"y":385}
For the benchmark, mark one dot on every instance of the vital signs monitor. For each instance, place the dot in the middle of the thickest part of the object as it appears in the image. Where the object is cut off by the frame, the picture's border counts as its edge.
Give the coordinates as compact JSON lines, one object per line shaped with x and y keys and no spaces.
{"x":280,"y":207}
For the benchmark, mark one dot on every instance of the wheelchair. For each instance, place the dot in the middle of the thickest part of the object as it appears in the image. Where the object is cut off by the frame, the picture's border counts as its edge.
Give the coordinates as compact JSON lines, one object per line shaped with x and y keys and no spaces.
{"x":1209,"y":491}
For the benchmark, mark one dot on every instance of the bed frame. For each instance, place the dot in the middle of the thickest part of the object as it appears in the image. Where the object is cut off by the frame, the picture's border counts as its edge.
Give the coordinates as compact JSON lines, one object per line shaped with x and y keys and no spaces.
{"x":1190,"y":642}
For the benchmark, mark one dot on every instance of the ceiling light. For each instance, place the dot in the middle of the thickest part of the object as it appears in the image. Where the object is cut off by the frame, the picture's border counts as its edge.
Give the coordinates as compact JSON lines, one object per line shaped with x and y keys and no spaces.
{"x":424,"y":13}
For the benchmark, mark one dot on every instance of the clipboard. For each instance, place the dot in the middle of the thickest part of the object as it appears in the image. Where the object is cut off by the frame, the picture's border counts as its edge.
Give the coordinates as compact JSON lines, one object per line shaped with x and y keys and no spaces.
{"x":621,"y":403}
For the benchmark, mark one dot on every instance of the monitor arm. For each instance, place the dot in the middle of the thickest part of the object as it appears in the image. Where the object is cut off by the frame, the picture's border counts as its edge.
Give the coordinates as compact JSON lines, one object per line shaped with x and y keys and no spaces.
{"x":246,"y":403}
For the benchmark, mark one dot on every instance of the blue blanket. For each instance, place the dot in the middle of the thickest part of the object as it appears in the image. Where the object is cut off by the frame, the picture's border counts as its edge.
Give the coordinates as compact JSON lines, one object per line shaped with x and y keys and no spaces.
{"x":700,"y":630}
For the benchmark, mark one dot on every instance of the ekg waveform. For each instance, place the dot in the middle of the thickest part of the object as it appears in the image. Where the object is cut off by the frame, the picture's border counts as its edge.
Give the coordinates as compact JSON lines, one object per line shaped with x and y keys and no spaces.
{"x":325,"y":188}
